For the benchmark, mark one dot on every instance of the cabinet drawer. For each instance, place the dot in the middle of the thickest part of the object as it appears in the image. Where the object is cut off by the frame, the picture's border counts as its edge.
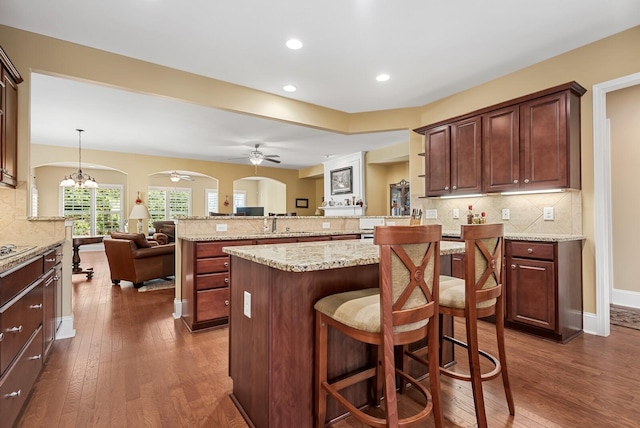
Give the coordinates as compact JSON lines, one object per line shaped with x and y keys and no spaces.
{"x":212,"y":280}
{"x":52,"y":257}
{"x":218,"y":264}
{"x":212,"y":304}
{"x":18,"y":381}
{"x":214,"y":249}
{"x":15,"y":280}
{"x":532,"y":250}
{"x":18,"y":321}
{"x":340,"y":237}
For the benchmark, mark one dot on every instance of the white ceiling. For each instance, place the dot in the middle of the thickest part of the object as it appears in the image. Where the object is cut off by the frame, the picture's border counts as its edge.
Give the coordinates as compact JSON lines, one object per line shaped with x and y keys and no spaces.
{"x":430,"y":48}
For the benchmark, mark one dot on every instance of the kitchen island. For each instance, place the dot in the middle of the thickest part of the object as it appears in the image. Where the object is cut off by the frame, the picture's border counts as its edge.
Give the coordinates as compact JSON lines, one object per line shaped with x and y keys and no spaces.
{"x":271,"y":329}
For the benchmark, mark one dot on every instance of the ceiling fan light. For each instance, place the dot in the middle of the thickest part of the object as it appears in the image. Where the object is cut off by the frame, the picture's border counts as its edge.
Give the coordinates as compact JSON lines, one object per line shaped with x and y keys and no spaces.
{"x":174,"y":178}
{"x":256,"y":160}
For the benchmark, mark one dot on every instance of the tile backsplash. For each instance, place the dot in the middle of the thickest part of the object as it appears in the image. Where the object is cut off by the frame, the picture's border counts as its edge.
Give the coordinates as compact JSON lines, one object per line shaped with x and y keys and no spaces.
{"x":525,"y":211}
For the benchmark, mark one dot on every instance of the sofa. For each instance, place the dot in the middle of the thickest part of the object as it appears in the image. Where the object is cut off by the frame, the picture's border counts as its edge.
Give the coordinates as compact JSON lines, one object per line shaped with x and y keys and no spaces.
{"x":167,"y":227}
{"x":132,"y":257}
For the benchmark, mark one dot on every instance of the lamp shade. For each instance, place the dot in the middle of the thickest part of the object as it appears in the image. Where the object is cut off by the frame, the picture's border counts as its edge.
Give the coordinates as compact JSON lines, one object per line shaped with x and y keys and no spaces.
{"x":139,"y":212}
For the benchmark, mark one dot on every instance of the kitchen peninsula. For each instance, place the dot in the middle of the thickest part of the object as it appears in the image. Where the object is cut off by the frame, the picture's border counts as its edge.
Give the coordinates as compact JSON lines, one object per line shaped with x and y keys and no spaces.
{"x":271,"y":332}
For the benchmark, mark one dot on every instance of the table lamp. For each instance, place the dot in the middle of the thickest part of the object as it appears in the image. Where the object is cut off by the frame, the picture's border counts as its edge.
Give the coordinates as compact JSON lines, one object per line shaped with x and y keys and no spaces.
{"x":139,"y":212}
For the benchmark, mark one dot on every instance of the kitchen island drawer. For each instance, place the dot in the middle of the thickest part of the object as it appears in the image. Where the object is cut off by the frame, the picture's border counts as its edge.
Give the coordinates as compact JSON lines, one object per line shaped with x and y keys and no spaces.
{"x":213,"y":304}
{"x":218,"y":264}
{"x":16,"y":279}
{"x":532,"y":250}
{"x":214,"y":249}
{"x":212,"y":280}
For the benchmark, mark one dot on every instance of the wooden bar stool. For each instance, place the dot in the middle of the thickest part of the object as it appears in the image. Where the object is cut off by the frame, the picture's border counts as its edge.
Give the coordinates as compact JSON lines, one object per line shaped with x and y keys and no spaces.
{"x":404,"y":309}
{"x":477,"y":296}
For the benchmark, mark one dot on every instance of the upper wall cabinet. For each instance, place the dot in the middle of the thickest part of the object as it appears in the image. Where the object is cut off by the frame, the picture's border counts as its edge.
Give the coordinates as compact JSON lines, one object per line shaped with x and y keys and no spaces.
{"x":9,"y":80}
{"x":529,"y":143}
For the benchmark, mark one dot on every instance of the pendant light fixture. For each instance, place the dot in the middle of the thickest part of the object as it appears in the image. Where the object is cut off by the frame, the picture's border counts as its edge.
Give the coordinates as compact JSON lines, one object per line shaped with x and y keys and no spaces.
{"x":78,"y":178}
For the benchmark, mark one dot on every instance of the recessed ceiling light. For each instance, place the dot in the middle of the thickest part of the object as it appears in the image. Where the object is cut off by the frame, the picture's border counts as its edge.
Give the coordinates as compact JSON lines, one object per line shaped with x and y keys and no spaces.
{"x":294,"y":44}
{"x":290,"y":88}
{"x":383,"y":77}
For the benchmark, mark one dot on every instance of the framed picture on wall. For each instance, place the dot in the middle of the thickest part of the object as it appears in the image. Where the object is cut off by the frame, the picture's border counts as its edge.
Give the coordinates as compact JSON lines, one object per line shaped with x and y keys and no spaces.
{"x":342,"y":180}
{"x":302,"y":203}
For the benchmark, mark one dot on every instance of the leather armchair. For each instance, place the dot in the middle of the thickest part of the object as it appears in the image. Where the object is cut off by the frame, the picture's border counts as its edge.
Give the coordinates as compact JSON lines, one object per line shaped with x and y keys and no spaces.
{"x":132,"y":258}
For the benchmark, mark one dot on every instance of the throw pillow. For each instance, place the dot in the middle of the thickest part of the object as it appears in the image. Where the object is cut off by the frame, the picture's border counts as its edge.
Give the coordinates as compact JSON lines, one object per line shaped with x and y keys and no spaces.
{"x":139,"y":238}
{"x":161,"y":238}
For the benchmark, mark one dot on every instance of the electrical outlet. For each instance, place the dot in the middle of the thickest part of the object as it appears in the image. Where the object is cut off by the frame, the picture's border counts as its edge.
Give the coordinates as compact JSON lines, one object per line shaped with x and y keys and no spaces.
{"x":247,"y":304}
{"x":548,"y":213}
{"x":326,"y":225}
{"x":431,"y":214}
{"x":505,"y":214}
{"x":456,"y":213}
{"x":221,"y":227}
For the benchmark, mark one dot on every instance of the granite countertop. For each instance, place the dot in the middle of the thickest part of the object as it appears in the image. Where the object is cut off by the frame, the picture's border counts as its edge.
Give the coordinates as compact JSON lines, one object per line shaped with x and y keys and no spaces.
{"x":312,"y":256}
{"x":25,"y":253}
{"x":541,"y":237}
{"x":231,"y":236}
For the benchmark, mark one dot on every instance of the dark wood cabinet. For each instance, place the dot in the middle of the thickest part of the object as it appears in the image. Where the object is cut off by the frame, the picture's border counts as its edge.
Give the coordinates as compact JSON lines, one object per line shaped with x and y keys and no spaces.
{"x":529,"y":143}
{"x":544,"y":288}
{"x":9,"y":80}
{"x":52,"y":297}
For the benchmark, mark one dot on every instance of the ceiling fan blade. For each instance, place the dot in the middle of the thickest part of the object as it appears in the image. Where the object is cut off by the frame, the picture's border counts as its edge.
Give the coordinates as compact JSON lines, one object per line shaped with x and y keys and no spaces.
{"x":271,"y":160}
{"x":271,"y":156}
{"x":187,"y":178}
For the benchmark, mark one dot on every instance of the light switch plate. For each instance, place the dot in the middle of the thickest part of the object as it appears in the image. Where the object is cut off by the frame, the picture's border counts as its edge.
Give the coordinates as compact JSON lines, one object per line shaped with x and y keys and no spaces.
{"x":326,"y":225}
{"x":247,"y":304}
{"x":221,"y":227}
{"x":431,"y":214}
{"x":548,"y":213}
{"x":456,"y":213}
{"x":505,"y":214}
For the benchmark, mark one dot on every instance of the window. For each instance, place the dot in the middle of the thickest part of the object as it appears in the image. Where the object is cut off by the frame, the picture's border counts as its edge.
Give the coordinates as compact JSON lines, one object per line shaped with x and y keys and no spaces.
{"x":166,"y":203}
{"x":211,"y":201}
{"x":239,"y":199}
{"x":96,"y":212}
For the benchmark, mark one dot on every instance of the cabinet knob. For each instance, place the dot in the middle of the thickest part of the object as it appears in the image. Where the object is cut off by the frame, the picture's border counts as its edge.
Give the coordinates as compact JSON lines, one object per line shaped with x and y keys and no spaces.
{"x":38,"y":306}
{"x":14,"y":394}
{"x":226,"y":280}
{"x":446,"y":187}
{"x":226,"y":303}
{"x":56,"y":278}
{"x":526,"y":180}
{"x":226,"y":264}
{"x":1,"y":337}
{"x":455,"y":187}
{"x":15,"y":329}
{"x":513,"y":266}
{"x":515,"y":181}
{"x":35,"y":357}
{"x":530,"y":250}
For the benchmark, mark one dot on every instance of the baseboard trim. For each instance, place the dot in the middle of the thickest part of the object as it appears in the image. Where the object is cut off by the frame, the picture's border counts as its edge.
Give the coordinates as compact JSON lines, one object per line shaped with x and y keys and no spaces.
{"x":66,"y":329}
{"x":589,"y":323}
{"x":177,"y":308}
{"x":627,"y":298}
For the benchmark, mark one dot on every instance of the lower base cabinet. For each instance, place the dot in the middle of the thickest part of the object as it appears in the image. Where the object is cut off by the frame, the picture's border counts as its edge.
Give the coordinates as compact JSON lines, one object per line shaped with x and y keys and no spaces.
{"x":544,"y":288}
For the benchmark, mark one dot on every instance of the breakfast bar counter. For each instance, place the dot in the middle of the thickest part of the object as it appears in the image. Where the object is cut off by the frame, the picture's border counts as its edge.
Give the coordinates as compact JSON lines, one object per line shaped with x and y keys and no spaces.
{"x":271,"y":326}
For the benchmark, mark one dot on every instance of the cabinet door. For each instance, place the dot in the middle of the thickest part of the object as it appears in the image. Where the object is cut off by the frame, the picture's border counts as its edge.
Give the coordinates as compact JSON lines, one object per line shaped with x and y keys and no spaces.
{"x":437,"y":161}
{"x":457,"y":265}
{"x":466,"y":156}
{"x":531,"y":293}
{"x":501,"y":150}
{"x":9,"y":132}
{"x":544,"y":137}
{"x":49,"y":310}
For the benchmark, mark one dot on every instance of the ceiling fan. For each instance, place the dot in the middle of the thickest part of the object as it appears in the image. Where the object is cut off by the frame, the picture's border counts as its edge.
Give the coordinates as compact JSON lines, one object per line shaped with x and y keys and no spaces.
{"x":175,"y":176}
{"x":256,"y":156}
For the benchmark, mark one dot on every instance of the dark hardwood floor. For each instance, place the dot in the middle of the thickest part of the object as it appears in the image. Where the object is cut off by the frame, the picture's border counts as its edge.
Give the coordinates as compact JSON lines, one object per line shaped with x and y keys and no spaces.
{"x":132,"y":365}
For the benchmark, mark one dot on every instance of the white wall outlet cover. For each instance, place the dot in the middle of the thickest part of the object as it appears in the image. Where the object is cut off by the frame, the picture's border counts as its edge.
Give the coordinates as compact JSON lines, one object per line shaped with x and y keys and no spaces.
{"x":326,"y":225}
{"x":548,"y":213}
{"x":431,"y":214}
{"x":247,"y":304}
{"x":456,"y":213}
{"x":221,"y":227}
{"x":505,"y":214}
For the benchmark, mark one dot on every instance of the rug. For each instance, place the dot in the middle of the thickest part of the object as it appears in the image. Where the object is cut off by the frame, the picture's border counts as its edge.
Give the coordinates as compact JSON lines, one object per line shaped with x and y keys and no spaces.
{"x":625,"y":316}
{"x":152,"y":285}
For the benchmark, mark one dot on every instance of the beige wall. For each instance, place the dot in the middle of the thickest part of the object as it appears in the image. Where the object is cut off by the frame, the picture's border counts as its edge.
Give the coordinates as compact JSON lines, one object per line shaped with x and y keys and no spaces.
{"x":623,"y":110}
{"x":598,"y":62}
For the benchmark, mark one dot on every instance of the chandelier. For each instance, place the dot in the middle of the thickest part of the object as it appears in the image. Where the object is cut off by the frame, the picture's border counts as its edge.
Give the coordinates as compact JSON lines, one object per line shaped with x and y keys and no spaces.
{"x":78,"y":178}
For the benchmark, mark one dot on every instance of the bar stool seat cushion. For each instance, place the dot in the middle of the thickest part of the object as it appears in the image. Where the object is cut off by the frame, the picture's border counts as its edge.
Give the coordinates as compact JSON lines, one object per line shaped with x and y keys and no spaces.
{"x":359,"y":309}
{"x":452,"y":291}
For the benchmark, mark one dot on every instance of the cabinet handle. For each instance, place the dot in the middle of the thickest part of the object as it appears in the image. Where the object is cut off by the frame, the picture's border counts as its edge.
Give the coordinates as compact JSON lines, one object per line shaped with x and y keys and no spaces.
{"x":1,"y":337}
{"x":35,"y":357}
{"x":50,"y":260}
{"x":49,"y":282}
{"x":226,"y":280}
{"x":226,"y":303}
{"x":56,"y":278}
{"x":226,"y":264}
{"x":15,"y":329}
{"x":59,"y":254}
{"x":513,"y":266}
{"x":13,"y":394}
{"x":38,"y":306}
{"x":515,"y":181}
{"x":530,"y":250}
{"x":526,"y":180}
